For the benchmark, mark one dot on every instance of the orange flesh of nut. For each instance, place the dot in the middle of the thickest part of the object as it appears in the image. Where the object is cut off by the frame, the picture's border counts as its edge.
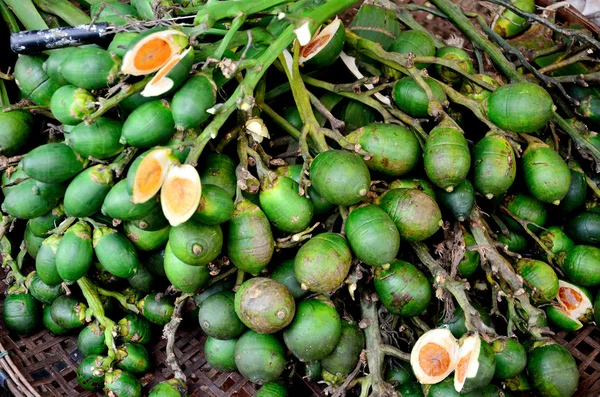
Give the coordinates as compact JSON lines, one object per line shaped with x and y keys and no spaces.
{"x":434,"y":359}
{"x":570,"y":298}
{"x":166,"y":69}
{"x":308,"y":49}
{"x":152,"y":54}
{"x":461,"y":368}
{"x":150,"y":176}
{"x":177,"y":196}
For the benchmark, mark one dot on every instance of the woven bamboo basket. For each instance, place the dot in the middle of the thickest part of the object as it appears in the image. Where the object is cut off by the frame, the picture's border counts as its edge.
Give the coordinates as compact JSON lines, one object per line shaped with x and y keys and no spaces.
{"x":45,"y":365}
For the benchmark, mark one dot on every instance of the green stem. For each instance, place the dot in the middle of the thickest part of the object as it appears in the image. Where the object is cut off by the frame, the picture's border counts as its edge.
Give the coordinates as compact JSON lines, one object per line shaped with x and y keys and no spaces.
{"x":64,"y":225}
{"x":9,"y":18}
{"x":242,"y":96}
{"x":4,"y":100}
{"x":92,"y":298}
{"x":125,"y":92}
{"x":238,"y":39}
{"x":120,"y":163}
{"x":218,"y":10}
{"x":407,"y":19}
{"x":576,"y":136}
{"x":525,"y":225}
{"x":122,"y":299}
{"x":280,"y":121}
{"x":27,"y":14}
{"x":64,"y":9}
{"x":225,"y":44}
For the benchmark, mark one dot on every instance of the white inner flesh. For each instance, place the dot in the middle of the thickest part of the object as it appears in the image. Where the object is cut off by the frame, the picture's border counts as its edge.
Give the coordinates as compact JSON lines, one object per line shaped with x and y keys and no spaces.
{"x":162,"y":157}
{"x":442,"y":337}
{"x":181,"y":215}
{"x":159,"y":85}
{"x":470,"y":345}
{"x":585,"y":305}
{"x":329,"y":30}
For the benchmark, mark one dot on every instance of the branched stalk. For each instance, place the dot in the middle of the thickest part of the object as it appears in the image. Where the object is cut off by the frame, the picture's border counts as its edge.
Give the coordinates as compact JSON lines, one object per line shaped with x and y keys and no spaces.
{"x":118,"y":166}
{"x":581,"y":56}
{"x":122,"y":299}
{"x":525,"y":225}
{"x":125,"y":92}
{"x":236,"y":24}
{"x":169,"y":333}
{"x":90,"y":292}
{"x":457,"y":288}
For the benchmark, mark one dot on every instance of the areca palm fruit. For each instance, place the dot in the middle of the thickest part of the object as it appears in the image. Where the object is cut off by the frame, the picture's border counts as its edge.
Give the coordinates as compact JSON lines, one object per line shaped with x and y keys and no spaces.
{"x":526,"y":208}
{"x":514,"y":242}
{"x":122,"y":383}
{"x":99,"y":140}
{"x":220,"y":354}
{"x":584,"y":228}
{"x":91,"y":340}
{"x":475,"y":366}
{"x":191,"y":102}
{"x":552,"y":370}
{"x":184,"y":277}
{"x":250,"y":243}
{"x":219,"y":170}
{"x":272,"y":389}
{"x":444,"y":388}
{"x":510,"y":24}
{"x":540,"y":278}
{"x":494,"y":165}
{"x":68,"y":312}
{"x":575,"y":198}
{"x":400,"y":374}
{"x":115,"y":252}
{"x":215,"y":206}
{"x":171,"y":76}
{"x":342,"y":178}
{"x":415,"y":42}
{"x":148,"y":125}
{"x":195,"y":243}
{"x":133,"y":357}
{"x":90,"y":376}
{"x":412,"y":99}
{"x":556,"y":240}
{"x":459,"y":201}
{"x":42,"y":225}
{"x":511,"y":358}
{"x":457,"y":323}
{"x":52,"y":64}
{"x":32,"y":242}
{"x":75,"y":253}
{"x":148,"y":173}
{"x":31,"y":199}
{"x":70,"y":105}
{"x":475,"y":91}
{"x":416,"y":215}
{"x":156,"y":308}
{"x":12,"y":177}
{"x":422,"y":185}
{"x":446,"y":145}
{"x":402,"y":288}
{"x":320,"y":204}
{"x":547,"y":175}
{"x":284,"y":206}
{"x":52,"y":163}
{"x":345,"y":356}
{"x":455,"y":54}
{"x":574,"y":307}
{"x":134,"y":328}
{"x":376,"y":23}
{"x":434,"y":356}
{"x":121,"y":42}
{"x":146,"y":240}
{"x":412,"y":389}
{"x":33,"y":81}
{"x":218,"y":318}
{"x":315,"y":330}
{"x":325,"y":47}
{"x":86,"y":192}
{"x":45,"y":261}
{"x":520,"y":107}
{"x":42,"y":291}
{"x":354,"y":114}
{"x":264,"y":305}
{"x":15,"y":131}
{"x":152,"y":50}
{"x":50,"y":324}
{"x":91,"y":68}
{"x":21,"y":313}
{"x":284,"y":273}
{"x":143,"y":280}
{"x":470,"y":261}
{"x":118,"y":204}
{"x":180,"y":194}
{"x":372,"y":235}
{"x":259,"y":358}
{"x":322,"y":264}
{"x":394,"y":149}
{"x":581,"y":264}
{"x":169,"y":388}
{"x":117,"y":14}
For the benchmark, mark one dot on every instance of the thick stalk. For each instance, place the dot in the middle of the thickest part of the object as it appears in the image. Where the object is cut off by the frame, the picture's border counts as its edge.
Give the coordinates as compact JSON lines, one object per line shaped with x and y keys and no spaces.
{"x":92,"y":298}
{"x":64,"y":9}
{"x":375,"y":351}
{"x":242,"y":96}
{"x":27,"y":14}
{"x":169,"y":333}
{"x":107,"y":104}
{"x":122,"y":299}
{"x":4,"y":100}
{"x":236,"y":24}
{"x":9,"y":18}
{"x":118,"y":166}
{"x":238,"y":39}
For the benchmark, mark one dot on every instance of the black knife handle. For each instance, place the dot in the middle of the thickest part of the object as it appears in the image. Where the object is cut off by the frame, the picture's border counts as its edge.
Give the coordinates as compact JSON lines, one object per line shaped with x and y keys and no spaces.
{"x":31,"y":41}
